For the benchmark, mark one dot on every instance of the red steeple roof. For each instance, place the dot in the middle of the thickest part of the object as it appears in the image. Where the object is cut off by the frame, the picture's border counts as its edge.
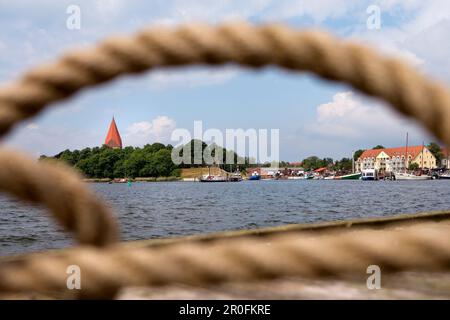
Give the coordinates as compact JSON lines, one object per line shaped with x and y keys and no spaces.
{"x":113,"y":139}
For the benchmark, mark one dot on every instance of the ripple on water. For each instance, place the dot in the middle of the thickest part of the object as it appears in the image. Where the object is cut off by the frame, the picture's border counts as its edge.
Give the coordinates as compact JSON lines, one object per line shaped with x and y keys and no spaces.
{"x":154,"y":210}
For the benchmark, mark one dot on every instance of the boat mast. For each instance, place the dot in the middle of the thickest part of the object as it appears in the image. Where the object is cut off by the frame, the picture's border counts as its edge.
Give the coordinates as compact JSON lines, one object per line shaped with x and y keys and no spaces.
{"x":422,"y":153}
{"x":353,"y":162}
{"x":406,"y":153}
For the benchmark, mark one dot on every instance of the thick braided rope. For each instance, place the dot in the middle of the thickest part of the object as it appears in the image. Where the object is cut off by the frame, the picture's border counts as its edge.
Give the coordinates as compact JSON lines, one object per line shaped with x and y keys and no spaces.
{"x":314,"y":51}
{"x":58,"y":188}
{"x":108,"y":270}
{"x":104,"y":272}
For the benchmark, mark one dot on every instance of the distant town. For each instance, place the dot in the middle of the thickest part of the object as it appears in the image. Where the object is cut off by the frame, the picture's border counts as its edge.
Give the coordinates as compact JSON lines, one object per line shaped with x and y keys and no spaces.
{"x":154,"y":162}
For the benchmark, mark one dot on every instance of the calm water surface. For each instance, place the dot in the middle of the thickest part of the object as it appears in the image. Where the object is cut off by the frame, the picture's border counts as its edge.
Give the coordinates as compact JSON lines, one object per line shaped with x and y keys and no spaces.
{"x":164,"y":209}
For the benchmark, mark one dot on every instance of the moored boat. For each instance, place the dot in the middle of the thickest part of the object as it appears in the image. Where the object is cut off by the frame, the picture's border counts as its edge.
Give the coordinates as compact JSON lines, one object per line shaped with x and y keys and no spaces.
{"x":369,"y":174}
{"x":213,"y":178}
{"x":235,"y":177}
{"x":410,"y":176}
{"x":255,"y":176}
{"x":445,"y":176}
{"x":295,"y":178}
{"x":352,"y":176}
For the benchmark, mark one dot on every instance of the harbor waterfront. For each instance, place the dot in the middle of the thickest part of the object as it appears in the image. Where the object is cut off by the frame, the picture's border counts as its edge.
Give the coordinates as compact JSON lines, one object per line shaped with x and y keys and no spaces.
{"x":168,"y":209}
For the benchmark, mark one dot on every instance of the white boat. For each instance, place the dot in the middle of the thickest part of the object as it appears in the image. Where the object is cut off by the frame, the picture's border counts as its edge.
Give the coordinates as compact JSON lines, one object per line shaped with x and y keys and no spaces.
{"x":369,"y":174}
{"x":444,"y":175}
{"x":295,"y":178}
{"x":213,"y":178}
{"x":410,"y":176}
{"x":235,"y":177}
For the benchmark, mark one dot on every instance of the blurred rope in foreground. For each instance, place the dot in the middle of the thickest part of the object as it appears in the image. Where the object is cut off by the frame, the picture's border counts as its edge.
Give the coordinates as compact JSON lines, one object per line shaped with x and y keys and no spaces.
{"x":78,"y":210}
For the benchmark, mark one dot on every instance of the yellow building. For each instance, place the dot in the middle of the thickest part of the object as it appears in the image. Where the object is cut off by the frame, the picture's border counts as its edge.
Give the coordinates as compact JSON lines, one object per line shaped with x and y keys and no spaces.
{"x":394,"y":159}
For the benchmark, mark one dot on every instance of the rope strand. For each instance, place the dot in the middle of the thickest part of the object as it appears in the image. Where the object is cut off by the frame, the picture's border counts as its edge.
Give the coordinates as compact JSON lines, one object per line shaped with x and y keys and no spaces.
{"x":107,"y":270}
{"x":59,"y":189}
{"x":408,"y":91}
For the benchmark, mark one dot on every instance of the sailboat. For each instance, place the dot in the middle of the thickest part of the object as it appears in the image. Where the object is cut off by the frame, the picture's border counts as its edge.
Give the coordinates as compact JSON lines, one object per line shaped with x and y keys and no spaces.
{"x":213,"y":178}
{"x":352,"y":176}
{"x":235,"y":176}
{"x":410,"y":176}
{"x":444,"y":175}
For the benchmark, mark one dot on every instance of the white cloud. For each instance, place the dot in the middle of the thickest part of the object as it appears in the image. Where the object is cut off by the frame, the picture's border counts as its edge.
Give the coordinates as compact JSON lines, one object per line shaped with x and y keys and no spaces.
{"x":51,"y":139}
{"x":418,"y":32}
{"x":318,"y":10}
{"x":432,"y":46}
{"x":360,"y":122}
{"x":194,"y":10}
{"x":36,"y":40}
{"x":32,"y":126}
{"x":2,"y":47}
{"x":190,"y":78}
{"x":156,"y":130}
{"x":108,"y":9}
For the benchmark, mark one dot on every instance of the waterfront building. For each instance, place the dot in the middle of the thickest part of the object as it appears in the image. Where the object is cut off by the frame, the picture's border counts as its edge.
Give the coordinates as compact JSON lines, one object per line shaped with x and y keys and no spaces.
{"x":113,"y":139}
{"x":394,"y":159}
{"x":445,"y":162}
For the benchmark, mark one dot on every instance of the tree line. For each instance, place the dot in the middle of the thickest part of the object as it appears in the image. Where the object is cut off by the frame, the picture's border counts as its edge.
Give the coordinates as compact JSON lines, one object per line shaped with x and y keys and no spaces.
{"x":155,"y":160}
{"x":314,"y":162}
{"x":152,"y":160}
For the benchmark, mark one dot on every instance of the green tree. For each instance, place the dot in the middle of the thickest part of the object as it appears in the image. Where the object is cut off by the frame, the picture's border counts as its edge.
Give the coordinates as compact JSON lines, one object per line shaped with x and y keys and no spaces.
{"x":413,"y":166}
{"x":358,"y":154}
{"x":134,"y":163}
{"x":312,"y":163}
{"x":151,"y":148}
{"x":159,"y":165}
{"x":345,"y":164}
{"x":378,"y":147}
{"x":153,"y":160}
{"x":436,"y":150}
{"x":69,"y":157}
{"x":326,"y":162}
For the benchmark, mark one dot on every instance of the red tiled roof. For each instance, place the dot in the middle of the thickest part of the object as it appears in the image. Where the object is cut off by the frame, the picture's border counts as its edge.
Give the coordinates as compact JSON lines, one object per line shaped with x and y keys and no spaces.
{"x":113,"y":139}
{"x":370,"y":153}
{"x":413,"y":151}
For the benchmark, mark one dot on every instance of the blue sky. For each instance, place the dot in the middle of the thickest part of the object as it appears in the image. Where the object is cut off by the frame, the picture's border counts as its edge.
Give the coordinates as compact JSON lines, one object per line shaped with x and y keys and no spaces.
{"x":314,"y":117}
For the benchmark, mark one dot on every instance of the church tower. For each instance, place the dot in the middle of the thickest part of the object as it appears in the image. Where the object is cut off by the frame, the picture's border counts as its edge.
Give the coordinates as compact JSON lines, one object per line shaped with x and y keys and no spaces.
{"x":113,"y":139}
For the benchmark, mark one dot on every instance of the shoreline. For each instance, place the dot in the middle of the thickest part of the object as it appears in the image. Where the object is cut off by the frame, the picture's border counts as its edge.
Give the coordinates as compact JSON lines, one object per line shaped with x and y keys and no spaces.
{"x":139,"y":179}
